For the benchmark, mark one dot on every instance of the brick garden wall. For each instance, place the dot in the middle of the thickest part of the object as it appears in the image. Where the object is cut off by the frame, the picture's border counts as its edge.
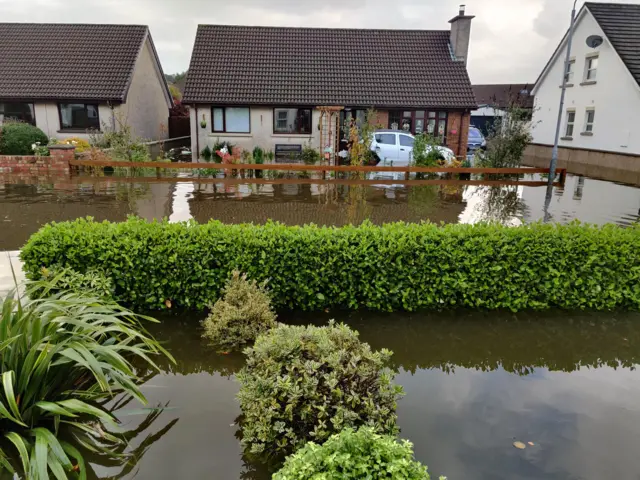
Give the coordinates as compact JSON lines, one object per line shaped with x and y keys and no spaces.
{"x":55,"y":164}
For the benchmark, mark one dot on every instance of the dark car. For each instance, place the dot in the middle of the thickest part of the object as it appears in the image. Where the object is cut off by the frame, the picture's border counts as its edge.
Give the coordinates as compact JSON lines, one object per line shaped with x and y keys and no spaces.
{"x":475,"y":140}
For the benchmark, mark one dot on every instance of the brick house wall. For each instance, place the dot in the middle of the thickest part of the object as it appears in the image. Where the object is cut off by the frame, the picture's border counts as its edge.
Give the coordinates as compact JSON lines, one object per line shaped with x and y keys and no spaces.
{"x":55,"y":164}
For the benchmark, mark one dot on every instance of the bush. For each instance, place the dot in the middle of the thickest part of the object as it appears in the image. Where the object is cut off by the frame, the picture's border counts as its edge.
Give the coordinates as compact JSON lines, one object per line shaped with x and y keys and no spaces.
{"x":80,"y":144}
{"x":310,"y":156}
{"x":507,"y":140}
{"x":391,"y":267}
{"x":56,"y":279}
{"x":243,"y":312}
{"x":354,"y":455}
{"x":18,"y":138}
{"x":425,"y":152}
{"x":206,"y":153}
{"x":62,"y":359}
{"x":258,"y":155}
{"x":307,"y":383}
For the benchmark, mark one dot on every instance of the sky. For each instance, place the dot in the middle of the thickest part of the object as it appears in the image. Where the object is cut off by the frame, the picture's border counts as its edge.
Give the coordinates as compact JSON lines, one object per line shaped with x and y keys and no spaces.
{"x":511,"y":40}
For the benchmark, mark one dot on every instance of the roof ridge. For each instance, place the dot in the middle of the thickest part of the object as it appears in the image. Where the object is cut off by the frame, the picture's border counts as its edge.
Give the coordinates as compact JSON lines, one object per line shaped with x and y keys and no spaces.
{"x":286,"y":27}
{"x":53,"y":24}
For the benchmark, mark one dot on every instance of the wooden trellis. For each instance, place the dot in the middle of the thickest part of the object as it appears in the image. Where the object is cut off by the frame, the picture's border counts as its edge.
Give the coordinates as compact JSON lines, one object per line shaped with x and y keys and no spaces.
{"x":329,"y":132}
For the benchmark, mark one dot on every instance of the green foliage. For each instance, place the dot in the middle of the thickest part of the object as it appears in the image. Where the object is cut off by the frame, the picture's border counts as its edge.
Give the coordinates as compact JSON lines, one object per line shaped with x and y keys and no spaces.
{"x":17,"y":138}
{"x":56,"y":279}
{"x":120,"y":142}
{"x":425,"y":153}
{"x":391,"y":267}
{"x":354,"y":455}
{"x":507,"y":140}
{"x":258,"y":155}
{"x":270,"y":156}
{"x":305,"y":383}
{"x":219,"y":146}
{"x":243,"y":312}
{"x":310,"y":155}
{"x":206,"y":153}
{"x":61,"y":358}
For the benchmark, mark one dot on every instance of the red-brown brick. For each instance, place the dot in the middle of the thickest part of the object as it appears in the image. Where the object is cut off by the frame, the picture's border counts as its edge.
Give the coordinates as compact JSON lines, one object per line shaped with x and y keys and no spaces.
{"x":57,"y":163}
{"x":458,"y":132}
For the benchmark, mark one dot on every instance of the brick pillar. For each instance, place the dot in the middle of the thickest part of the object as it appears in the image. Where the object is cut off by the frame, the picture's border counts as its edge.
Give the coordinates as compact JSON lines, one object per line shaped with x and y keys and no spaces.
{"x":60,"y":157}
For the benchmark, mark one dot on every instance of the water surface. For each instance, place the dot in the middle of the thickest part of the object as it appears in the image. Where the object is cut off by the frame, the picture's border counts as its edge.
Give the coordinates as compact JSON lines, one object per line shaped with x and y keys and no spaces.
{"x":474,"y":383}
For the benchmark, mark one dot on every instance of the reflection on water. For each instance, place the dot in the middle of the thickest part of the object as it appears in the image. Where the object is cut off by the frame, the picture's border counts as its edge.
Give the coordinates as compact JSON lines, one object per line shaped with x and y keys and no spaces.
{"x":25,"y":207}
{"x":475,"y":383}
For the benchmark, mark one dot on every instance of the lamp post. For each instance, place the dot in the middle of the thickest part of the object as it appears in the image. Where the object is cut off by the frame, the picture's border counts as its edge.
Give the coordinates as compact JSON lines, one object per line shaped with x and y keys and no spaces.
{"x":554,"y":153}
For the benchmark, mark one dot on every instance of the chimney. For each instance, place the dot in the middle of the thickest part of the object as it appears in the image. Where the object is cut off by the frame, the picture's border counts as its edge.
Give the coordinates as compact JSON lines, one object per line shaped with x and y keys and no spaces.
{"x":460,"y":33}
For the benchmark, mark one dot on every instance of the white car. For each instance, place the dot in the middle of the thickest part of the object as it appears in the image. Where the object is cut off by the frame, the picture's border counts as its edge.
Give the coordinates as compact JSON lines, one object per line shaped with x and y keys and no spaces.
{"x":394,"y":147}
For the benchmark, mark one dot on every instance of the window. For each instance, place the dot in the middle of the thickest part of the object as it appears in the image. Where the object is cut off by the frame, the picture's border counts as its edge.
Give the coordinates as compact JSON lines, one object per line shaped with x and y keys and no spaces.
{"x":406,"y":141}
{"x":432,"y":122}
{"x":591,"y":69}
{"x":589,"y":118}
{"x":571,"y":119}
{"x":386,"y":138}
{"x":231,"y":119}
{"x":17,"y":111}
{"x":79,"y":116}
{"x":296,"y":121}
{"x":570,"y":70}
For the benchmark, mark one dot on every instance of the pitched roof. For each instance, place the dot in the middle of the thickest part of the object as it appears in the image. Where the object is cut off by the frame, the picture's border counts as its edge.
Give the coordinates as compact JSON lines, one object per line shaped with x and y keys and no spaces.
{"x":68,"y":61}
{"x":504,"y":95}
{"x":621,"y":24}
{"x":322,"y":66}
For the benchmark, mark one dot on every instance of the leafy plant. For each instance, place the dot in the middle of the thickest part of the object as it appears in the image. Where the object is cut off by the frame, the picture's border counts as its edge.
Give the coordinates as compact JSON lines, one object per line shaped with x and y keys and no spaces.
{"x":354,"y":454}
{"x":246,"y":157}
{"x":61,"y":357}
{"x":391,"y":267}
{"x":270,"y":156}
{"x":243,"y":312}
{"x":120,"y":143}
{"x":360,"y":138}
{"x":80,"y":143}
{"x":221,"y":146}
{"x":17,"y":138}
{"x":425,"y":152}
{"x":258,"y":155}
{"x":307,"y":383}
{"x":507,"y":140}
{"x":206,"y":154}
{"x":56,"y":279}
{"x":310,"y":156}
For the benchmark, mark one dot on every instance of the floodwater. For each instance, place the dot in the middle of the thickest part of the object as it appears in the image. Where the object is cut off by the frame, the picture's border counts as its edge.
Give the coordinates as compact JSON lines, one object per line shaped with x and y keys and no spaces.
{"x":474,"y":383}
{"x":26,"y":205}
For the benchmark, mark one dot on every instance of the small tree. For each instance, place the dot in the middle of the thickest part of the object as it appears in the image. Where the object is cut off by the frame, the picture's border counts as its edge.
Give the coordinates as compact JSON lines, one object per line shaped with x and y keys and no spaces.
{"x":354,"y":454}
{"x":307,"y":383}
{"x":508,"y":138}
{"x":360,"y":138}
{"x":425,"y":151}
{"x":243,"y":312}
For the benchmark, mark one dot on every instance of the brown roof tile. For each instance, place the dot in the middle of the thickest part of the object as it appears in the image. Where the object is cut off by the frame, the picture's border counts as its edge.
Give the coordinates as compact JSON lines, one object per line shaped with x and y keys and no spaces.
{"x":68,"y":61}
{"x":321,"y":66}
{"x":504,"y":95}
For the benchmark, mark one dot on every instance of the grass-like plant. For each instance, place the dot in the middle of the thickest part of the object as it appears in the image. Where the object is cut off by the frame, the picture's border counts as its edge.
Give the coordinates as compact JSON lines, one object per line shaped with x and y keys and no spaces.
{"x":62,"y":357}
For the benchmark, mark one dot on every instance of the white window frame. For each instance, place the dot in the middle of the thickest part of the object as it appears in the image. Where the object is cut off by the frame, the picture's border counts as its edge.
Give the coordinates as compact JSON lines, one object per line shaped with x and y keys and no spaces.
{"x":588,"y":70}
{"x":570,"y":73}
{"x":588,"y":126}
{"x":572,"y":123}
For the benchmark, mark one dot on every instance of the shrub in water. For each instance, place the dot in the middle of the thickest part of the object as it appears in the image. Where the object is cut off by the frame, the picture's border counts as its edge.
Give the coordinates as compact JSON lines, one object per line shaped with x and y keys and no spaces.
{"x":354,"y":455}
{"x":243,"y":312}
{"x":307,"y":383}
{"x":18,"y":138}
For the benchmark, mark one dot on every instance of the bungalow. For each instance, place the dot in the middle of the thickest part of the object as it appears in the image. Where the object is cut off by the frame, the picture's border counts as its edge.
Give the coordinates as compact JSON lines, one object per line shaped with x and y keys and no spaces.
{"x":272,"y":86}
{"x":69,"y":79}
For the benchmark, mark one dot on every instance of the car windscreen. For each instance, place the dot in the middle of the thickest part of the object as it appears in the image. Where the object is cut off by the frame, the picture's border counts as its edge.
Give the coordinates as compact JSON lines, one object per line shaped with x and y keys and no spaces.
{"x":475,"y":134}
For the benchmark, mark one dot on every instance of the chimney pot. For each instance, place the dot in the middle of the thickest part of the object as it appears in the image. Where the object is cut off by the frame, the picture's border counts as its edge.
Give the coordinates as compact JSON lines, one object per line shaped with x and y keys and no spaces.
{"x":462,"y":8}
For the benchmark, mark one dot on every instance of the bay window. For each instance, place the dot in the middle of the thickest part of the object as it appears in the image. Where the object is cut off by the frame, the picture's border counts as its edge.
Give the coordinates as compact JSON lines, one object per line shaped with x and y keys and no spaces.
{"x":296,"y":121}
{"x":20,"y":111}
{"x":231,"y":119}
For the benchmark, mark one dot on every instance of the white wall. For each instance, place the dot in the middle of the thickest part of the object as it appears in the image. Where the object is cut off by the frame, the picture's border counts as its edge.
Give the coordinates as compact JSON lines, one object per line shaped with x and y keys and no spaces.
{"x":261,"y":131}
{"x":615,"y":97}
{"x":146,"y":108}
{"x":48,"y":120}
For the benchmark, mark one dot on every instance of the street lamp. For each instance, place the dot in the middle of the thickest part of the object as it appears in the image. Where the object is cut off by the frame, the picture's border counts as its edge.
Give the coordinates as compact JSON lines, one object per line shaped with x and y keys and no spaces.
{"x":554,"y":153}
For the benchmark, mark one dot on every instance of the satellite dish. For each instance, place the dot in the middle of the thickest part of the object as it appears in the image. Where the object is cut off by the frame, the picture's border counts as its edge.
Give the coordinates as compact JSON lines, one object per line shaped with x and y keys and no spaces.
{"x":594,"y":41}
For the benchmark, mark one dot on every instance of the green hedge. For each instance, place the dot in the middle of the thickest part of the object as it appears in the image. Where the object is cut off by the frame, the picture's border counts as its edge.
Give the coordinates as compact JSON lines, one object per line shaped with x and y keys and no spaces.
{"x":393,"y":267}
{"x":18,"y":138}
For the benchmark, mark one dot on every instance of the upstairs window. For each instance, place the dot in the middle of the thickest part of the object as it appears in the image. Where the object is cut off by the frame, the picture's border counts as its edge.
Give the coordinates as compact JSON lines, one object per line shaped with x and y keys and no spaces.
{"x":591,"y":69}
{"x":79,"y":116}
{"x":22,"y":112}
{"x":293,"y":121}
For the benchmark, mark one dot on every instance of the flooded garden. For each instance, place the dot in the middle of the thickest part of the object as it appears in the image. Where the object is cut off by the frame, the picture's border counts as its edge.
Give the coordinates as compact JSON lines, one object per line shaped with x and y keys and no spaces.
{"x":488,"y":394}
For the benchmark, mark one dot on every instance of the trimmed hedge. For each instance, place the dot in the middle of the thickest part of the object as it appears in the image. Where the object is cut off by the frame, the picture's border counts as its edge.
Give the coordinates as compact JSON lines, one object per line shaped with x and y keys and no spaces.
{"x":18,"y":138}
{"x":393,"y":267}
